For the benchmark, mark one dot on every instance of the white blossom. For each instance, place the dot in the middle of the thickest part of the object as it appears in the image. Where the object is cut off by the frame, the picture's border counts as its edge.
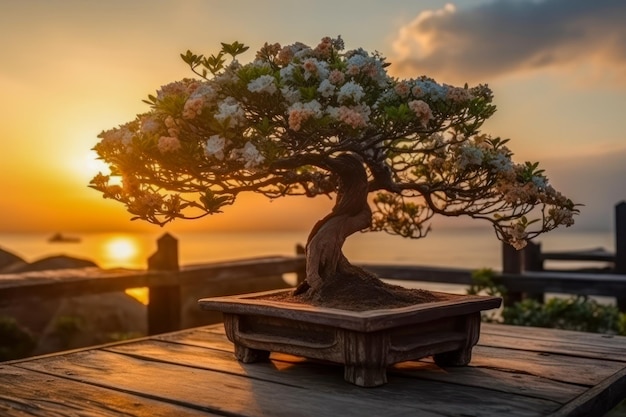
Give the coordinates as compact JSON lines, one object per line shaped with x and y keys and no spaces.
{"x":539,"y":182}
{"x":501,"y":163}
{"x":326,"y":88}
{"x":230,"y":110}
{"x":263,"y":84}
{"x":250,"y":155}
{"x":291,"y":95}
{"x":286,"y":73}
{"x":214,"y":147}
{"x":469,"y":155}
{"x":350,"y":91}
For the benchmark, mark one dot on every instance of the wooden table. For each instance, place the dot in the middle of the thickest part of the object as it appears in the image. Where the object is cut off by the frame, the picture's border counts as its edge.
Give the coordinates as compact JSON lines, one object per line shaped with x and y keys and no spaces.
{"x":515,"y":371}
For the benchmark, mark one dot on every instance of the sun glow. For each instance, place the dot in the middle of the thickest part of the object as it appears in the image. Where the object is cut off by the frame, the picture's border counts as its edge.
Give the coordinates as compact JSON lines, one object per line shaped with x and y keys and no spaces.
{"x":125,"y":252}
{"x":122,"y":252}
{"x":121,"y":249}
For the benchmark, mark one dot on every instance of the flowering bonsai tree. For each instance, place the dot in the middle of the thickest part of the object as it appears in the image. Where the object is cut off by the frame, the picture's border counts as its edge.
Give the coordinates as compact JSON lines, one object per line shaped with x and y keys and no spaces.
{"x":316,"y":121}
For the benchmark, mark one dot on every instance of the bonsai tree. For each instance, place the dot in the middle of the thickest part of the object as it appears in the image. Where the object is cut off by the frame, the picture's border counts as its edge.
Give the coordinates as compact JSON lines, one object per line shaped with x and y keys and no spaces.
{"x":317,"y":121}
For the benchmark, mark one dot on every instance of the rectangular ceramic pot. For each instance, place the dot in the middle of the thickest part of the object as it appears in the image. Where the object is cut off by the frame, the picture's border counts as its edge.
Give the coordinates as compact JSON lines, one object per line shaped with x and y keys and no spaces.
{"x":364,"y":342}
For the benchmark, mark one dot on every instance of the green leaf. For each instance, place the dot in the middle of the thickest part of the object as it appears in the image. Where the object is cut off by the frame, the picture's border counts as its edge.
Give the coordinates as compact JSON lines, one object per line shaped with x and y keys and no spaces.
{"x":214,"y":63}
{"x":234,"y":48}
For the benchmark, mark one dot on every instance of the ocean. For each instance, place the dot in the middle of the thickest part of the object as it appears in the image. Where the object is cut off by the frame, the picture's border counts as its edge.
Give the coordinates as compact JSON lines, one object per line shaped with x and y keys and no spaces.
{"x":462,"y":247}
{"x":472,"y":248}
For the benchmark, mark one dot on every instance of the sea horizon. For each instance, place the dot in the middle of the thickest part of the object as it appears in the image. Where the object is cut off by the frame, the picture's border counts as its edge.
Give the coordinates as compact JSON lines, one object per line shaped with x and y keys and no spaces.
{"x":470,"y":248}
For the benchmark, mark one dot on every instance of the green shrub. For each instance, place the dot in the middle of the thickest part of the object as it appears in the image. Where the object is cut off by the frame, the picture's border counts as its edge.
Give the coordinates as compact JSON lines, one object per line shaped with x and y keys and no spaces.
{"x":66,"y":328}
{"x":15,"y":341}
{"x":574,"y":313}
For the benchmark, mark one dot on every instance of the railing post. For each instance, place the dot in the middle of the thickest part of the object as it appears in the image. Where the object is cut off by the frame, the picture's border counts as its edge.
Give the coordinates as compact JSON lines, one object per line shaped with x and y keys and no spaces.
{"x":532,"y":257}
{"x":511,"y":259}
{"x":164,"y":306}
{"x":620,"y":246}
{"x":511,"y":264}
{"x":532,"y":261}
{"x":620,"y":238}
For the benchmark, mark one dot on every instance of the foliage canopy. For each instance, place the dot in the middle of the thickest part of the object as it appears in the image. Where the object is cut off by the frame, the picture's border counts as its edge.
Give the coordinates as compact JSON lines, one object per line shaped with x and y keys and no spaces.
{"x":279,"y":124}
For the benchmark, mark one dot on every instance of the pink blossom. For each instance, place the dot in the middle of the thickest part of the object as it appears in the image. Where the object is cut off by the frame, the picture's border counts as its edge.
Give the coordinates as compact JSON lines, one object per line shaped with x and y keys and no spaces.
{"x":301,"y":112}
{"x":421,"y":110}
{"x":193,"y":107}
{"x":458,"y":94}
{"x":336,"y":77}
{"x":352,"y":117}
{"x":285,"y":56}
{"x":297,"y":117}
{"x":324,"y":49}
{"x":168,"y":144}
{"x":353,"y":70}
{"x":402,"y":89}
{"x":417,"y":91}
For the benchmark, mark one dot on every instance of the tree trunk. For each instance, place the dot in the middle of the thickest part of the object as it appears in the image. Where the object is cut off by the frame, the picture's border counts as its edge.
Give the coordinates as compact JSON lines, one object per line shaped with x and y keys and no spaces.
{"x":325,"y":260}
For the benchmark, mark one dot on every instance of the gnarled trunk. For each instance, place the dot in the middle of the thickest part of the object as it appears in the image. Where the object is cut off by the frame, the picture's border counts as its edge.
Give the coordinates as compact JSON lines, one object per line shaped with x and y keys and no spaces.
{"x":325,"y":260}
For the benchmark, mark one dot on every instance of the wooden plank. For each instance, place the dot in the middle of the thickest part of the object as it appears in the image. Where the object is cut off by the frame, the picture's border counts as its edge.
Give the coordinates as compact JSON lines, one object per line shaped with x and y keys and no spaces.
{"x":595,"y":254}
{"x":565,"y":342}
{"x":305,"y":372}
{"x":598,"y":400}
{"x":24,"y":392}
{"x":242,"y":268}
{"x":73,"y":282}
{"x":84,"y":281}
{"x":565,"y":282}
{"x":561,"y":368}
{"x":502,"y":380}
{"x":201,"y":337}
{"x":217,"y":392}
{"x":599,"y":340}
{"x":325,"y":393}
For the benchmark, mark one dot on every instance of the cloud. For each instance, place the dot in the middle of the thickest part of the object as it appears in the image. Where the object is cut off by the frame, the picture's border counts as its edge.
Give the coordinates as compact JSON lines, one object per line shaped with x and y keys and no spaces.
{"x":504,"y":37}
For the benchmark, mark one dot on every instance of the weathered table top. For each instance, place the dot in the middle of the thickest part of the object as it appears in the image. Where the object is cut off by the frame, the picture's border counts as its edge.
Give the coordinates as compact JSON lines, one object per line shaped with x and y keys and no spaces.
{"x":515,"y":371}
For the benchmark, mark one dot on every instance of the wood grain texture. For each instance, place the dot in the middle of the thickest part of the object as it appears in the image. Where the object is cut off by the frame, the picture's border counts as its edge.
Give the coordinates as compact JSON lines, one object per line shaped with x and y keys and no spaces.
{"x":587,"y":345}
{"x":24,"y":392}
{"x":518,"y":372}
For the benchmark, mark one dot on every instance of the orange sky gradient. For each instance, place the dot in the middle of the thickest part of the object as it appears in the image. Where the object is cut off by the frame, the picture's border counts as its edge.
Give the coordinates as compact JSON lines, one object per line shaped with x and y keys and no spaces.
{"x":71,"y":69}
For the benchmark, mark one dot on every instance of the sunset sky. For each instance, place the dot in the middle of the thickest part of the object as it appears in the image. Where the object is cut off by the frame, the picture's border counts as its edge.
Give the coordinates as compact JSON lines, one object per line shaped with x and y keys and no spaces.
{"x":72,"y":68}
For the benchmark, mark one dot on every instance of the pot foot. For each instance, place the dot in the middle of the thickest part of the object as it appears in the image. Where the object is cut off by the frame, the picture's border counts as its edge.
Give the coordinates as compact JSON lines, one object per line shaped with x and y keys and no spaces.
{"x":365,"y":376}
{"x":459,"y":357}
{"x":249,"y":355}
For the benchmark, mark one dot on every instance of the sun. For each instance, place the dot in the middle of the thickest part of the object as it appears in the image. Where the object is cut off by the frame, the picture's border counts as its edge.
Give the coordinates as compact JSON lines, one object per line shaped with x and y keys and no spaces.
{"x":121,"y":249}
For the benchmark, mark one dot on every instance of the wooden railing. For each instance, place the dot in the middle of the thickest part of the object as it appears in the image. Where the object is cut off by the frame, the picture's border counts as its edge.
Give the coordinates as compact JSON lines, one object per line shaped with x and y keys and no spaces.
{"x":532,"y":258}
{"x":532,"y":284}
{"x":165,"y":279}
{"x":525,"y":274}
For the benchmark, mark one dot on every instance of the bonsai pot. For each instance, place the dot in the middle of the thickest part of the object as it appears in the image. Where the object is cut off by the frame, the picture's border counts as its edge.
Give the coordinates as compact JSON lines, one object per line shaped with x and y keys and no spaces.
{"x":364,"y":342}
